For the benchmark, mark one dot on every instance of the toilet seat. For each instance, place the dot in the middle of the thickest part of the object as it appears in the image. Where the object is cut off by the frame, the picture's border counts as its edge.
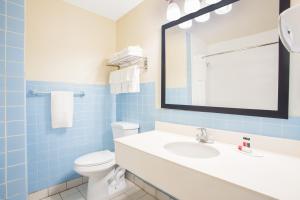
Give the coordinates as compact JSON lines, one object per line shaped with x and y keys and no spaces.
{"x":95,"y":159}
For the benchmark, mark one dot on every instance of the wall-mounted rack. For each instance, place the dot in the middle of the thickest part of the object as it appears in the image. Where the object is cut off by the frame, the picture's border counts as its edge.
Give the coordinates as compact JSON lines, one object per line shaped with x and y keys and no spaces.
{"x":42,"y":93}
{"x":128,"y":61}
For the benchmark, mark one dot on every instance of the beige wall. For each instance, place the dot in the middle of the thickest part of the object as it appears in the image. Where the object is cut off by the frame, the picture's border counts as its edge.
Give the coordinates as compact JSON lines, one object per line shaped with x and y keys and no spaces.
{"x":143,"y":26}
{"x":67,"y":44}
{"x":176,"y":59}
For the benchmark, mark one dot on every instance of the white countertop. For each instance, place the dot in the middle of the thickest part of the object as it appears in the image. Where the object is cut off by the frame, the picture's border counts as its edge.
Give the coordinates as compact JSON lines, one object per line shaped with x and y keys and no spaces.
{"x":274,"y":175}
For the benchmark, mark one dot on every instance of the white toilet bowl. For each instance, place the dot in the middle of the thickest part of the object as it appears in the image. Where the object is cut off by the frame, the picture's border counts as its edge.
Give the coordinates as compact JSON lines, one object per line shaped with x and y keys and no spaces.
{"x":97,"y":167}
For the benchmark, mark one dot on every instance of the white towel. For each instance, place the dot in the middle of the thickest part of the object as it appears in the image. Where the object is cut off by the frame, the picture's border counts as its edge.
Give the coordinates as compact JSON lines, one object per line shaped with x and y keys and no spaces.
{"x":62,"y":109}
{"x":115,"y":80}
{"x":131,"y":51}
{"x":133,"y":79}
{"x":126,"y":80}
{"x":127,"y":52}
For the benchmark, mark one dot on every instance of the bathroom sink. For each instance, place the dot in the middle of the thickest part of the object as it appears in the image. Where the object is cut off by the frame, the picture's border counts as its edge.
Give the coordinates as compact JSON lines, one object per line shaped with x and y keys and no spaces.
{"x":192,"y":149}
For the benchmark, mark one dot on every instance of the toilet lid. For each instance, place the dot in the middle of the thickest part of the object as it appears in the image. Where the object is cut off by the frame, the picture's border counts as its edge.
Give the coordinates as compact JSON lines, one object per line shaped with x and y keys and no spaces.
{"x":96,"y":158}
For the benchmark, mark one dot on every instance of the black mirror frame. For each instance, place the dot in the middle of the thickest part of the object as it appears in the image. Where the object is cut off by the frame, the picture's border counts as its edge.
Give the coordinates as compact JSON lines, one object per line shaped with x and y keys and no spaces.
{"x":283,"y":79}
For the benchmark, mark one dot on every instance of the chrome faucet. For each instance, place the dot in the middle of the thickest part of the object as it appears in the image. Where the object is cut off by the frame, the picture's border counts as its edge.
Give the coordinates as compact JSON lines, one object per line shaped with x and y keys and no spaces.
{"x":203,"y":136}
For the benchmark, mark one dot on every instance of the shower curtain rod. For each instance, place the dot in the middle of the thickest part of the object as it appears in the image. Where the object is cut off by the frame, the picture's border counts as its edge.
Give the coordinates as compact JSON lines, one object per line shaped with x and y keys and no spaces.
{"x":242,"y":49}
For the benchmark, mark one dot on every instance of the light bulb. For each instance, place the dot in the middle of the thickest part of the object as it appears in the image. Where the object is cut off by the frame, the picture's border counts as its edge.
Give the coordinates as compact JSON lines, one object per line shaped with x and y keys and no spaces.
{"x":186,"y":25}
{"x":173,"y":11}
{"x":203,"y":18}
{"x":212,"y":1}
{"x":191,"y":6}
{"x":224,"y":10}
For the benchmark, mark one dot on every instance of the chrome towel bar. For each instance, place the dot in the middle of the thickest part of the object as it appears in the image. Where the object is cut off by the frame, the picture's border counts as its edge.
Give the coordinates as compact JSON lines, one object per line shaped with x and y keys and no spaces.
{"x":40,"y":93}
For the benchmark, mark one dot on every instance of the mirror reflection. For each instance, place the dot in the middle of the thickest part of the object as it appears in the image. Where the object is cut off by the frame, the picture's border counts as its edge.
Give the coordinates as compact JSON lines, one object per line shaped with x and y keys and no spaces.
{"x":226,"y":58}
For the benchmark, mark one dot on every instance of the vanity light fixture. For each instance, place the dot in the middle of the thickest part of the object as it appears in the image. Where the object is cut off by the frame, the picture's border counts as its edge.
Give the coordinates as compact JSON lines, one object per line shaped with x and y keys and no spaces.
{"x":209,"y":2}
{"x":173,"y":11}
{"x":186,"y":25}
{"x":191,"y":6}
{"x":205,"y":17}
{"x":224,"y":10}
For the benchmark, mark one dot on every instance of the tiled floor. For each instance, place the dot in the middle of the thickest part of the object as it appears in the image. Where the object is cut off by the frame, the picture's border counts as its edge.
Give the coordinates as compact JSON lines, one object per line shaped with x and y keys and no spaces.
{"x":132,"y":192}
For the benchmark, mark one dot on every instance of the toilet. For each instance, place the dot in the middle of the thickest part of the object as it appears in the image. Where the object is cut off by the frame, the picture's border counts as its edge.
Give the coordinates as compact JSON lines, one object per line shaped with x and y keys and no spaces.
{"x":100,"y":166}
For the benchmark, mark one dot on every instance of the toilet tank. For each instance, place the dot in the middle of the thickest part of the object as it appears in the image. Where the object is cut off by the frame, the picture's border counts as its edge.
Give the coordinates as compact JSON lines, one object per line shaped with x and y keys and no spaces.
{"x":122,"y":129}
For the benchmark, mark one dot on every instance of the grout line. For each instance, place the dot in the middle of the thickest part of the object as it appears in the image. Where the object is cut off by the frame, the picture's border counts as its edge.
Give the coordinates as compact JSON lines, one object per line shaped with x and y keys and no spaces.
{"x":60,"y":196}
{"x":5,"y":109}
{"x":12,"y":61}
{"x":66,"y":186}
{"x":13,"y":196}
{"x":15,"y":106}
{"x":16,"y":135}
{"x":12,"y":121}
{"x":14,"y":47}
{"x":48,"y":193}
{"x":16,"y":91}
{"x":16,"y":165}
{"x":80,"y":191}
{"x":20,"y":5}
{"x":14,"y":18}
{"x":15,"y":180}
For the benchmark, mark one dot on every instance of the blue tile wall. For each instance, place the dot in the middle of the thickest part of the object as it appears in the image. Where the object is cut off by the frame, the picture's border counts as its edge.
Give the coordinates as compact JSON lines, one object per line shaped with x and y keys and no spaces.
{"x":15,"y":10}
{"x":2,"y":21}
{"x":51,"y":152}
{"x":130,"y":108}
{"x":178,"y":96}
{"x":2,"y":38}
{"x":289,"y":129}
{"x":2,"y":68}
{"x":138,"y":107}
{"x":2,"y":7}
{"x":13,"y":176}
{"x":2,"y":52}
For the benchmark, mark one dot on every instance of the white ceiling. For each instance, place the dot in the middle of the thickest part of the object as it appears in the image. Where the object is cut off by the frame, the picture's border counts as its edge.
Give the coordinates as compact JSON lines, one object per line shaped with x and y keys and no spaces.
{"x":112,"y":9}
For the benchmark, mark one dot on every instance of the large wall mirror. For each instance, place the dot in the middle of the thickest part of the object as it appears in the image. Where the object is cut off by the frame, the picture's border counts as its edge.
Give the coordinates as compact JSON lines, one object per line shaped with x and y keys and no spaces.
{"x":227,"y":63}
